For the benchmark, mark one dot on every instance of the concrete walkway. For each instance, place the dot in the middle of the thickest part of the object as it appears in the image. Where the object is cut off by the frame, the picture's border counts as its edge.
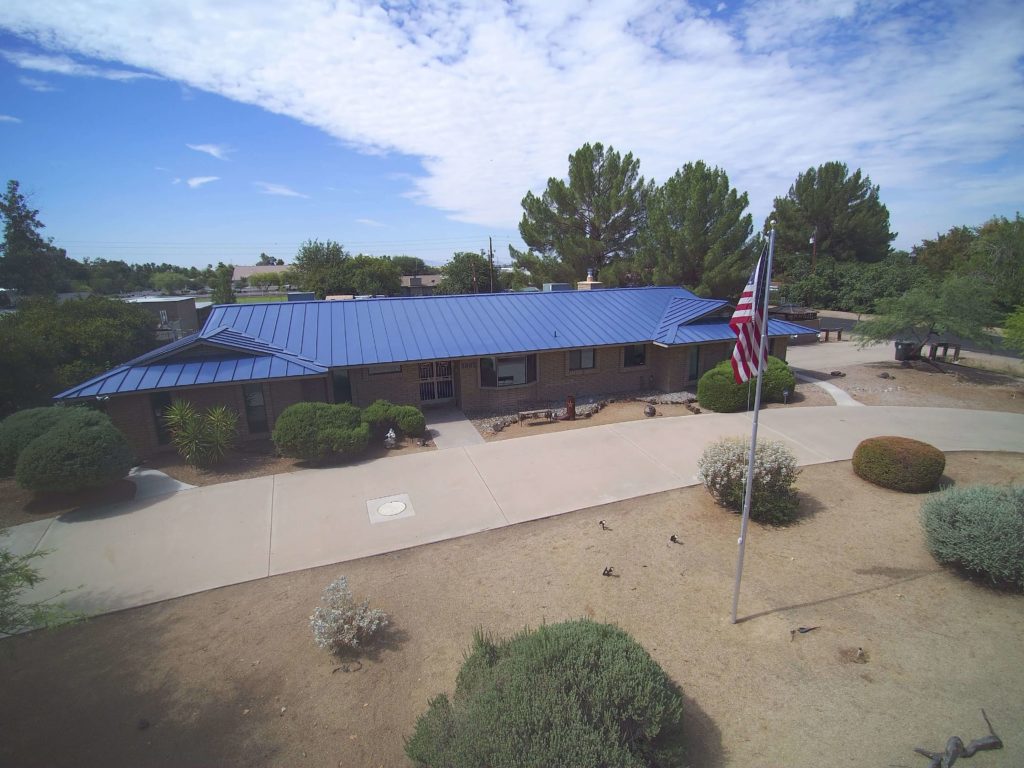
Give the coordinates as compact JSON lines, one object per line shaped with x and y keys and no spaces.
{"x":162,"y":547}
{"x":839,"y":396}
{"x":449,"y":428}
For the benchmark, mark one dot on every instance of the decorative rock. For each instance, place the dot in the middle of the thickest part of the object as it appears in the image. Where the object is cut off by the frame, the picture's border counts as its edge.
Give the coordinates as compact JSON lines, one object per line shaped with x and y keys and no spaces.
{"x":885,"y":375}
{"x":650,"y":411}
{"x":838,"y":374}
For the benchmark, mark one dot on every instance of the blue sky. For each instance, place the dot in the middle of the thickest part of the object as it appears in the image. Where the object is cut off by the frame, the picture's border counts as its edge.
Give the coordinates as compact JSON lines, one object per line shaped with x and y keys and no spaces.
{"x":212,"y":130}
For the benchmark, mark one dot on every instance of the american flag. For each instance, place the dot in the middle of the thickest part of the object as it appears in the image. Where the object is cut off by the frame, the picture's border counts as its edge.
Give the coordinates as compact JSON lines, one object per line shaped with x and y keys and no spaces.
{"x":748,"y":321}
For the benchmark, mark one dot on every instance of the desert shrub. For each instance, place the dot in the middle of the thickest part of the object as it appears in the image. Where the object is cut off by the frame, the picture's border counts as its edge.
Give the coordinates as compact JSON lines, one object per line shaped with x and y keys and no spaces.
{"x":980,"y":529}
{"x":410,"y":420}
{"x":380,"y":416}
{"x":723,"y":470}
{"x":718,"y":391}
{"x":21,"y":428}
{"x":84,"y":450}
{"x":571,"y":694}
{"x":203,"y":438}
{"x":899,"y":463}
{"x":341,"y":624}
{"x":319,"y":431}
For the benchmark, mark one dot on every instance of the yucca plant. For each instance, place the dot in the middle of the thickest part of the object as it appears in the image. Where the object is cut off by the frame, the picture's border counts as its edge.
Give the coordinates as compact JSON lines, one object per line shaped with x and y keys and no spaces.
{"x":202,"y":438}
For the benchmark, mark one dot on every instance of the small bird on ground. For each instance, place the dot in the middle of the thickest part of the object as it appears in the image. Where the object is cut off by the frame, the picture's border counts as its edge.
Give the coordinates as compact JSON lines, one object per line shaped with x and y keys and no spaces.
{"x":608,"y":571}
{"x":603,"y":526}
{"x":674,"y":539}
{"x":801,"y":630}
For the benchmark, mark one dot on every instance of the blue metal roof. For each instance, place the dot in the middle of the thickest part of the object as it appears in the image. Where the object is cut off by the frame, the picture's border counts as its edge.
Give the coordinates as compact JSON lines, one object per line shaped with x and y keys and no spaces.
{"x":245,"y":342}
{"x":396,"y":330}
{"x":704,"y":332}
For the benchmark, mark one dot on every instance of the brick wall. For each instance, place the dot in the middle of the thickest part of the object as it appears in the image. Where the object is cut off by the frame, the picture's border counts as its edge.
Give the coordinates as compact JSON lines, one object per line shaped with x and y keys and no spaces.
{"x":402,"y":388}
{"x":133,"y":414}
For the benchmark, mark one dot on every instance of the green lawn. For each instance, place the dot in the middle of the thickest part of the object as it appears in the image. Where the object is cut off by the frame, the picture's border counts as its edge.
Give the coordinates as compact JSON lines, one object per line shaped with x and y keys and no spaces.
{"x":260,"y":299}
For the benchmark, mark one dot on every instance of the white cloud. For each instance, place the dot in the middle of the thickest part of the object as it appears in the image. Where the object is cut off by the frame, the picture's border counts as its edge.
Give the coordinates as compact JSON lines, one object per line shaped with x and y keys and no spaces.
{"x":37,"y":85}
{"x":493,"y":97}
{"x":9,"y":119}
{"x":277,"y":189}
{"x":220,"y":151}
{"x":369,"y":222}
{"x":65,"y":65}
{"x":198,"y":181}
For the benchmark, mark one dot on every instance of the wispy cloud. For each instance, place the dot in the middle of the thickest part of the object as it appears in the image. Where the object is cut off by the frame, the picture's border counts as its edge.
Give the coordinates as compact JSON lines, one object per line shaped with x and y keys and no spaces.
{"x":65,"y":65}
{"x":268,"y":188}
{"x":198,"y":181}
{"x":369,"y":222}
{"x":220,"y":151}
{"x":37,"y":85}
{"x":9,"y":119}
{"x":493,"y":98}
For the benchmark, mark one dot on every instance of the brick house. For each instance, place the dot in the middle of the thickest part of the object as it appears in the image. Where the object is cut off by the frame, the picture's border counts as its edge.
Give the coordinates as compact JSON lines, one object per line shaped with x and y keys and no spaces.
{"x":481,"y":352}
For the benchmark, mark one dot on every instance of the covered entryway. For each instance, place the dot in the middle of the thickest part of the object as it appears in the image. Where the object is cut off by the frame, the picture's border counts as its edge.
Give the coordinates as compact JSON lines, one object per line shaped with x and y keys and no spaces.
{"x":437,"y":383}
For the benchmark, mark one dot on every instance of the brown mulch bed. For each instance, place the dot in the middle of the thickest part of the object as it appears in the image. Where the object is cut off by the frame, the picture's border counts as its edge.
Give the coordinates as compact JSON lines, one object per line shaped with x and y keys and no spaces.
{"x":18,"y":505}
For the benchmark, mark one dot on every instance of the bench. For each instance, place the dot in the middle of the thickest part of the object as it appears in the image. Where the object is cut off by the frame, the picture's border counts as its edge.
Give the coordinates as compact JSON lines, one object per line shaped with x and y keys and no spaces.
{"x":944,"y":346}
{"x":837,"y":331}
{"x":544,"y":413}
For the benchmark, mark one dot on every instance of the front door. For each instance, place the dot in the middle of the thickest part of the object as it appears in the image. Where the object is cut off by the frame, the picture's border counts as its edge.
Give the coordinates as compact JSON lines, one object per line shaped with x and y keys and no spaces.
{"x":436,"y":382}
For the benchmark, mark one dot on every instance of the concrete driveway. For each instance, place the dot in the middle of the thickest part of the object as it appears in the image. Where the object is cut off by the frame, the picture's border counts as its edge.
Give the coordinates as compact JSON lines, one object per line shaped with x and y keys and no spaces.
{"x":163,"y":547}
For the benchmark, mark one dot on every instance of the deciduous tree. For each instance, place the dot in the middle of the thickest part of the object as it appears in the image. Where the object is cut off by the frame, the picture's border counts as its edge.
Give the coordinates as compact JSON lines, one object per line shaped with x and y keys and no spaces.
{"x":467,"y":272}
{"x":961,"y":306}
{"x":30,"y":263}
{"x":320,"y":267}
{"x":169,"y":282}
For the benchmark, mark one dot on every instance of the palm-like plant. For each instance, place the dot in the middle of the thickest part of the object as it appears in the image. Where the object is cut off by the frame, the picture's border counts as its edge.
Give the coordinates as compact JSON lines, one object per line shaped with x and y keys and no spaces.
{"x":202,"y":438}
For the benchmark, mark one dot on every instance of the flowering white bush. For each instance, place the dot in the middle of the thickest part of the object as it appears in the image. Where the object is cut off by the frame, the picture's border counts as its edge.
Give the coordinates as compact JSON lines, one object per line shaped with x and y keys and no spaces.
{"x":723,"y":470}
{"x":341,"y":623}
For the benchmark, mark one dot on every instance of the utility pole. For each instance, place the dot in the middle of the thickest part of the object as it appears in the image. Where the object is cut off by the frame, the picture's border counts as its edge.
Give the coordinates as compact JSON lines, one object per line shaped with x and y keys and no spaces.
{"x":490,"y":259}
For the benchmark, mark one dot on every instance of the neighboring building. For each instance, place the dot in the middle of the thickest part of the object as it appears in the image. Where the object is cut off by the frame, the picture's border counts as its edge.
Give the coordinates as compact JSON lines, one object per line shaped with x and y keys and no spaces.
{"x":419,"y":285}
{"x":794,"y":313}
{"x":175,"y":316}
{"x":481,"y":352}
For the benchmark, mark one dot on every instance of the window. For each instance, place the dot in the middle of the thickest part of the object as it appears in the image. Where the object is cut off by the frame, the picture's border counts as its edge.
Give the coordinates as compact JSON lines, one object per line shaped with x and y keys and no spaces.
{"x":634,"y":355}
{"x":508,"y":371}
{"x":255,"y":408}
{"x":581,"y":359}
{"x":158,"y":402}
{"x":378,"y":370}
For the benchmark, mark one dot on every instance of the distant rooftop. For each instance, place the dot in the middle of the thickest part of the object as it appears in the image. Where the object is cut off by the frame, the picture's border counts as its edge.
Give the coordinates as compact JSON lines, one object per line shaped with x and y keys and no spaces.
{"x":247,"y":272}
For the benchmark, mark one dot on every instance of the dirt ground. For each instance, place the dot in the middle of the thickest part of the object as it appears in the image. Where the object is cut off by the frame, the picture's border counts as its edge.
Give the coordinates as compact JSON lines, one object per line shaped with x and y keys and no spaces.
{"x":231,"y":677}
{"x":942,"y":386}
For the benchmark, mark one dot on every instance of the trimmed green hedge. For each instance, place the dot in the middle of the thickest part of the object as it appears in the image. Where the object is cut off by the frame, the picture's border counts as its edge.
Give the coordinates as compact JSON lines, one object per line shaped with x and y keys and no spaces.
{"x":718,"y":391}
{"x":84,"y":450}
{"x":565,"y":695}
{"x":899,"y":463}
{"x":321,"y":431}
{"x":410,"y":420}
{"x":21,"y":428}
{"x":380,"y":417}
{"x":980,"y":529}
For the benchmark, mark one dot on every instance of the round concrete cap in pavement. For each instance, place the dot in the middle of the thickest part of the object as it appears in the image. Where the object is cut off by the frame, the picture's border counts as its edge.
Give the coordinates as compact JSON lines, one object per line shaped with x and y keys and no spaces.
{"x":391,"y":508}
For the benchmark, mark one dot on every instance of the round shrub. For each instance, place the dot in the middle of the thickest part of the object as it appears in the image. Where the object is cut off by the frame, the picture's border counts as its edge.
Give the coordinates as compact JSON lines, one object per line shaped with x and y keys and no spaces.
{"x":718,"y":391}
{"x":570,"y":694}
{"x":84,"y":450}
{"x":410,"y":420}
{"x":319,"y":431}
{"x":21,"y":428}
{"x":980,"y":529}
{"x":723,"y":470}
{"x":899,"y":463}
{"x":380,"y":416}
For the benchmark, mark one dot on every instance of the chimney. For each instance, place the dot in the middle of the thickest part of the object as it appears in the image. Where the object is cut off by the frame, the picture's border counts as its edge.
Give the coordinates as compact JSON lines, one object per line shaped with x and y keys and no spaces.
{"x":590,"y":284}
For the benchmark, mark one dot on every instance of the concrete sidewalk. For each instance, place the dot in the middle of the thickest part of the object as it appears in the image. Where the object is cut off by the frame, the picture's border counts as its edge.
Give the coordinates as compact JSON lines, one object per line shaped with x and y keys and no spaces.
{"x":163,"y":547}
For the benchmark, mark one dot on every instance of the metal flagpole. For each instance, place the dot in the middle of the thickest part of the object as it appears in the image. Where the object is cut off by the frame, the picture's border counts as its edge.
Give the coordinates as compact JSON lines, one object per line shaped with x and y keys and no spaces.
{"x":761,"y":359}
